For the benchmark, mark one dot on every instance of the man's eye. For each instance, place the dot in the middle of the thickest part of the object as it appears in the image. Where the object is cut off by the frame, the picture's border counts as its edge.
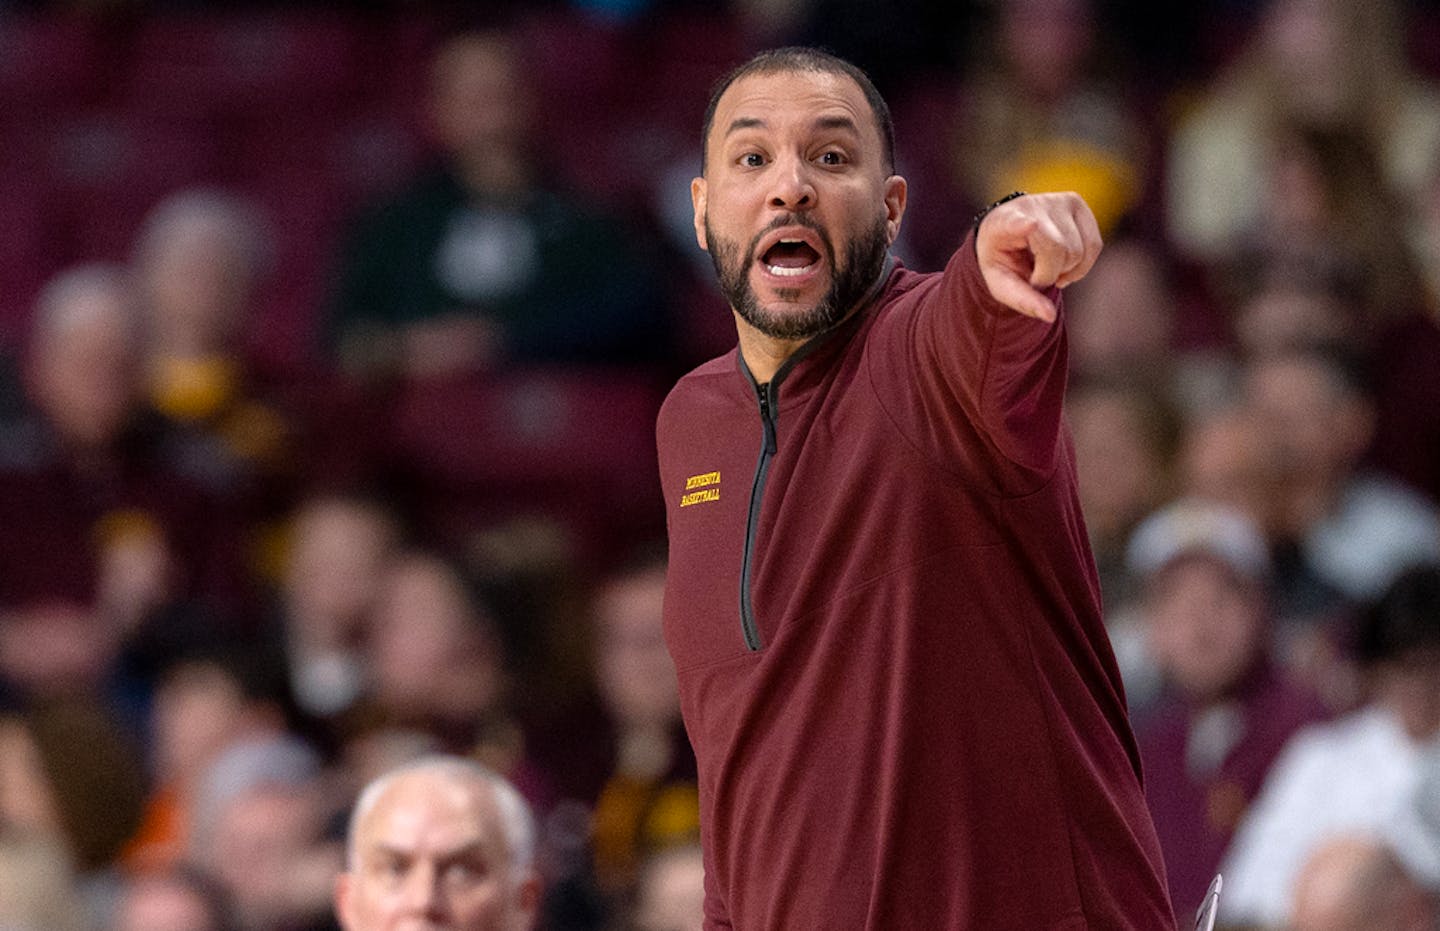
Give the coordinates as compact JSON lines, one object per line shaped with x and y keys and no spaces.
{"x":752,"y":160}
{"x":832,"y":158}
{"x":463,"y":872}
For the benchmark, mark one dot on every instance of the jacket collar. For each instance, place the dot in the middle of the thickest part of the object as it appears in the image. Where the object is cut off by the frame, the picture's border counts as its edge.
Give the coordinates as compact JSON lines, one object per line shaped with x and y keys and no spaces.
{"x":809,"y":363}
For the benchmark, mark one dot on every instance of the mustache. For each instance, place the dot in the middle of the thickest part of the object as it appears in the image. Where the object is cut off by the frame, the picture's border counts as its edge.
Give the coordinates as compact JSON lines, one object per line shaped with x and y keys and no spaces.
{"x":789,"y":219}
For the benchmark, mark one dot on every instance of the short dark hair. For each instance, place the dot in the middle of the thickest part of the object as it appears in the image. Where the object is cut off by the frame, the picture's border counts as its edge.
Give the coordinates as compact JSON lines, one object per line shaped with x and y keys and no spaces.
{"x":1405,"y":620}
{"x":799,"y":58}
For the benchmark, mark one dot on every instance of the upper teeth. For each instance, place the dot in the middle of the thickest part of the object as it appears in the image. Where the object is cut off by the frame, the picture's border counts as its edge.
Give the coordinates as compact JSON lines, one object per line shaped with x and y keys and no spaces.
{"x":785,"y":272}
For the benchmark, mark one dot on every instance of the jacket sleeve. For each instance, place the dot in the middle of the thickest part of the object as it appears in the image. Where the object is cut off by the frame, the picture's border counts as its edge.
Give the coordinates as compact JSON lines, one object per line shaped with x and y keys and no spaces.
{"x":717,"y":914}
{"x":979,"y":367}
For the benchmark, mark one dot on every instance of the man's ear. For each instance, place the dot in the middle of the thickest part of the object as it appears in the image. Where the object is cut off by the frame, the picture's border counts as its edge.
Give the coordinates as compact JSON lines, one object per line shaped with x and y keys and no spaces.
{"x":896,"y":191}
{"x":342,"y":901}
{"x":697,"y":200}
{"x":528,"y":899}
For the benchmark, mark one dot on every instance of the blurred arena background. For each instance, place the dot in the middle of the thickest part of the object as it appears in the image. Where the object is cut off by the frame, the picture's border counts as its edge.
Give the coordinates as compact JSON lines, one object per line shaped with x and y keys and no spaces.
{"x":332,"y":337}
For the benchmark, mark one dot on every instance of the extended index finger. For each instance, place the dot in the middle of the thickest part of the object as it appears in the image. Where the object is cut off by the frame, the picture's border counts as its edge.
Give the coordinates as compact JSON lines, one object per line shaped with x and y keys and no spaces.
{"x":1011,"y":289}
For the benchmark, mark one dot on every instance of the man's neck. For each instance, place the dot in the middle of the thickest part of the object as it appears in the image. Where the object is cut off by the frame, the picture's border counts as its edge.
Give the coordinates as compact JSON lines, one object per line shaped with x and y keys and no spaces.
{"x":764,"y":354}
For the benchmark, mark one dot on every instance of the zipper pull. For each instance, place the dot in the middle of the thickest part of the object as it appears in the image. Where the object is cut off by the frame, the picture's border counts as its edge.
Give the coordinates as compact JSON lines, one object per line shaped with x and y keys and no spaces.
{"x":767,"y":417}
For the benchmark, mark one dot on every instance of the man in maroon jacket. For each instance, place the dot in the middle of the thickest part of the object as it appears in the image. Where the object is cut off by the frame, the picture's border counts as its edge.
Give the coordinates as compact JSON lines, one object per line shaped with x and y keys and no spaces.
{"x":881,"y":604}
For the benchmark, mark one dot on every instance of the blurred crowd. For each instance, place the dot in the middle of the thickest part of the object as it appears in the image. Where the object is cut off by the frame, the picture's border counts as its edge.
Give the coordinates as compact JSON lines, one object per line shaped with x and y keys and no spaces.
{"x":331,"y":341}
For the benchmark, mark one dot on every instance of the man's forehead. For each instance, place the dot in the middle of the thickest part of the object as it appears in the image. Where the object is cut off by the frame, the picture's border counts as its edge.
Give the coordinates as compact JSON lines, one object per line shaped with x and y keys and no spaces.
{"x":761,"y":97}
{"x":417,"y":809}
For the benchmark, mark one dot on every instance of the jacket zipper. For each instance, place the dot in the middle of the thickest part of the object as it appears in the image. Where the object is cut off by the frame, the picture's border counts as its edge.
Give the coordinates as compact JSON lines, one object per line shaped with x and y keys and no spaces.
{"x":769,"y":401}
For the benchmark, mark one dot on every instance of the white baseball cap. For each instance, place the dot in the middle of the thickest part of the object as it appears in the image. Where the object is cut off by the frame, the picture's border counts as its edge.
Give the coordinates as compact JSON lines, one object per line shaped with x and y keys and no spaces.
{"x":1193,"y":526}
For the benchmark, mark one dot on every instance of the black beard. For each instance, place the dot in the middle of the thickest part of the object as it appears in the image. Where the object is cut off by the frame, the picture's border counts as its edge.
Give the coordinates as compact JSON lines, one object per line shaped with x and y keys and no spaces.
{"x":849,"y":283}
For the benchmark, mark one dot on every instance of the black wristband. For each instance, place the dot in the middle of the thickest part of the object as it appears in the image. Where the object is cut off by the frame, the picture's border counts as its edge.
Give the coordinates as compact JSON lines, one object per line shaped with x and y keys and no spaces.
{"x":986,"y":212}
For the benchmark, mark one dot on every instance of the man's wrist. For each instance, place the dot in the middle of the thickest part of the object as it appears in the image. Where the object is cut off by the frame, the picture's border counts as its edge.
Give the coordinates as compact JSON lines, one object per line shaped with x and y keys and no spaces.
{"x":980,"y":217}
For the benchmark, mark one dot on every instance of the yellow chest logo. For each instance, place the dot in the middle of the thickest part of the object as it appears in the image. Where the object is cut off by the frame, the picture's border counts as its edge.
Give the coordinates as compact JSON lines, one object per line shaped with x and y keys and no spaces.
{"x":701,"y":488}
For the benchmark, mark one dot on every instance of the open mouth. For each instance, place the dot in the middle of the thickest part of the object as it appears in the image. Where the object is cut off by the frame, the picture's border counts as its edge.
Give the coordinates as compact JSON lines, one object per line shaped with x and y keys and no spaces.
{"x":790,"y":258}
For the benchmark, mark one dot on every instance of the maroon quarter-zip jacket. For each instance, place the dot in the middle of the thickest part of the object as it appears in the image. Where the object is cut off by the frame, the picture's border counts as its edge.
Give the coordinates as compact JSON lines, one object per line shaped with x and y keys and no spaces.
{"x":886,"y":623}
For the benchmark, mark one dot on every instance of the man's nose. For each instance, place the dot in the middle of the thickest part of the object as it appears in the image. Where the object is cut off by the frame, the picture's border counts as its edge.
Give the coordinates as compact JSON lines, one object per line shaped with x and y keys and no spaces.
{"x":423,"y":895}
{"x":792,"y":187}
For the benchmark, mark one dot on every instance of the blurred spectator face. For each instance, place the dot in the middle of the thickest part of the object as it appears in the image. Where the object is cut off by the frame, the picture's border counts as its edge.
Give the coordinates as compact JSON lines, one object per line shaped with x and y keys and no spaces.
{"x":671,"y":894}
{"x":1205,"y":625}
{"x":1121,"y":468}
{"x":138,"y":572}
{"x":1295,"y":192}
{"x":337,"y":559}
{"x":197,"y":265}
{"x":1281,"y":318}
{"x":198,"y":710}
{"x":55,"y":649}
{"x":479,"y":102}
{"x":370,"y":754}
{"x":26,"y":801}
{"x":266,"y":853}
{"x":1304,"y":43}
{"x":636,"y":674}
{"x":433,"y":853}
{"x":1409,"y":686}
{"x":1317,"y":428}
{"x":165,"y":903}
{"x":1355,"y":884}
{"x":1225,"y":458}
{"x":1045,"y":43}
{"x":83,"y":362}
{"x":1120,"y":317}
{"x":432,"y":651}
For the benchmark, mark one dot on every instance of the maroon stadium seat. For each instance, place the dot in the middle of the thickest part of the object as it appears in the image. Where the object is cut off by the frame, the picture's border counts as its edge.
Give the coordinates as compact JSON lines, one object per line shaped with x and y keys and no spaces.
{"x":48,"y":63}
{"x":207,"y":66}
{"x":29,"y":251}
{"x":109,"y":170}
{"x":577,"y":447}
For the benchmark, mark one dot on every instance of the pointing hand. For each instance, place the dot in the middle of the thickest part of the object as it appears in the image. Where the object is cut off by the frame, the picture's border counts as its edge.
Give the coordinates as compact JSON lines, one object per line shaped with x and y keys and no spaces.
{"x":1028,"y":245}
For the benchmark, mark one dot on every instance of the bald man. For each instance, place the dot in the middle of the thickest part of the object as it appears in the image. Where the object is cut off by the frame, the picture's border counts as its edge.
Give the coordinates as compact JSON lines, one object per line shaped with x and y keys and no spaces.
{"x":443,"y":841}
{"x":1357,"y":884}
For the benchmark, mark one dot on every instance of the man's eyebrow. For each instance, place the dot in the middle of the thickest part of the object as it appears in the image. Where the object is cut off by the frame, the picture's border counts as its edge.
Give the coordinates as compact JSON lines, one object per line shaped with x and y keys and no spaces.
{"x":390,"y":852}
{"x":745,"y":122}
{"x":837,"y":122}
{"x":824,"y":122}
{"x":462,"y":850}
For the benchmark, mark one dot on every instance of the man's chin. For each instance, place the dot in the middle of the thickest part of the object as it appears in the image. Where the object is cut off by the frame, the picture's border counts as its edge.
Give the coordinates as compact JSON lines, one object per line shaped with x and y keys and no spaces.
{"x":779,"y":319}
{"x":789,"y":306}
